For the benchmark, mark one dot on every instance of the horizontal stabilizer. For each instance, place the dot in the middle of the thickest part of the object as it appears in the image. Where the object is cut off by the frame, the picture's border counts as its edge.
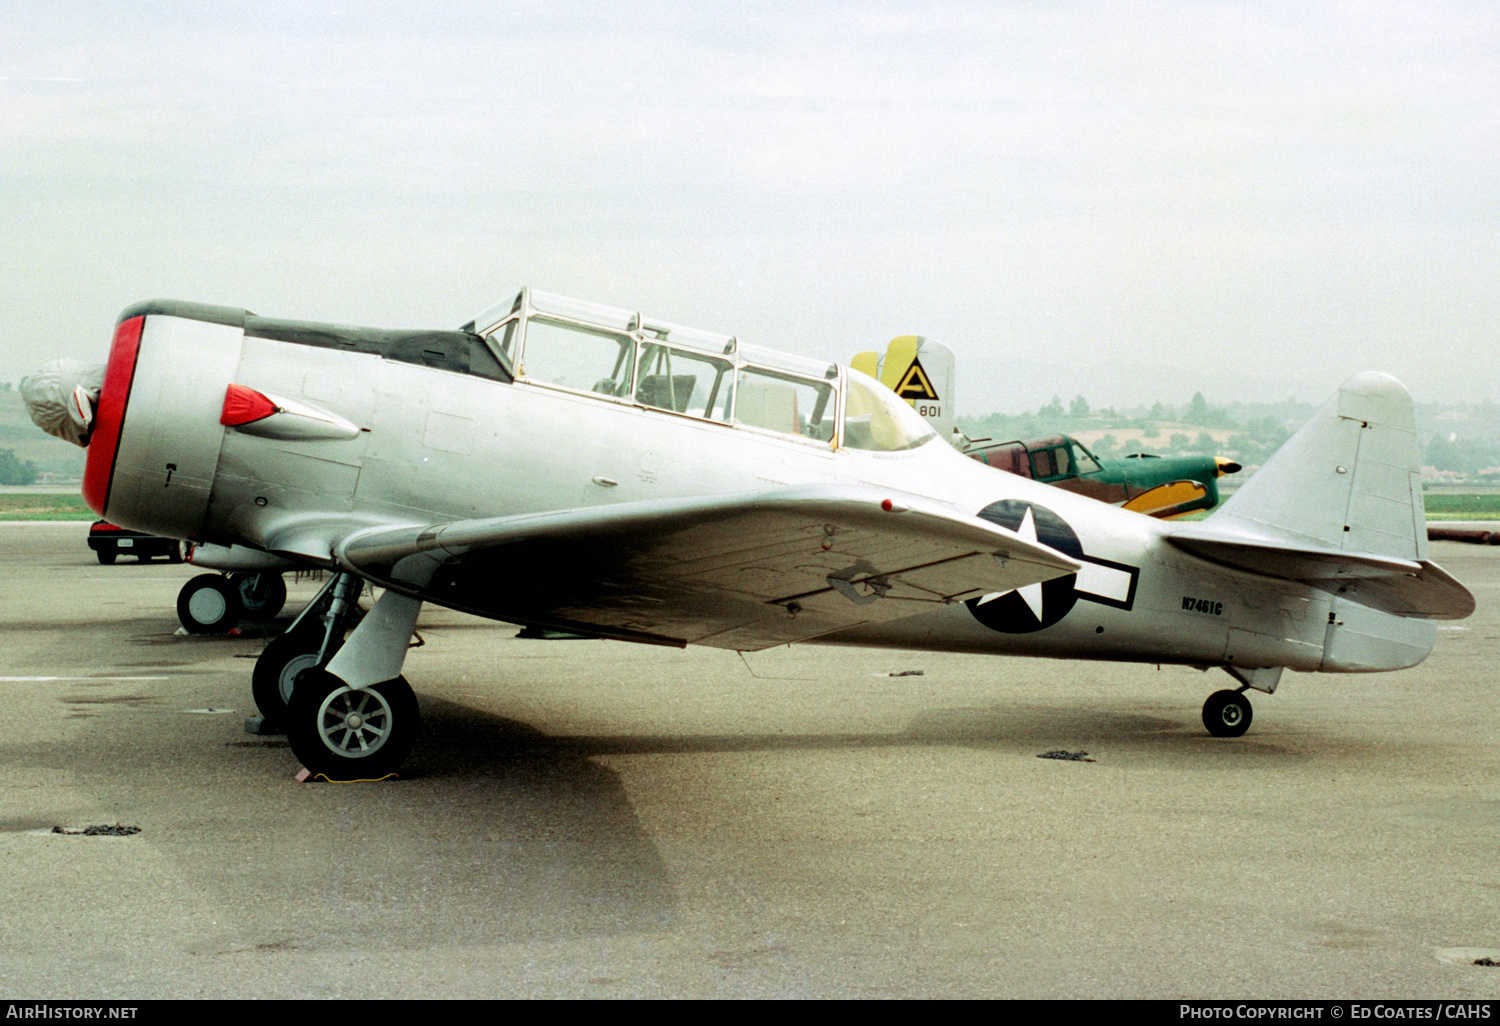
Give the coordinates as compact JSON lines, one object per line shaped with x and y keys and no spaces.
{"x":1404,"y":587}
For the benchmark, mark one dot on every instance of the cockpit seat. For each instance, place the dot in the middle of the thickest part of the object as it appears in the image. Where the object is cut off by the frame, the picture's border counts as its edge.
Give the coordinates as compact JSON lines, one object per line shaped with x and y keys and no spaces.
{"x":666,"y":392}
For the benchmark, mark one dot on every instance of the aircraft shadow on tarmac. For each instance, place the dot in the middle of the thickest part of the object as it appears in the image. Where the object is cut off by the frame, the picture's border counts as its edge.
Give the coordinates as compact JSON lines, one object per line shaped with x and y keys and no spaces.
{"x":462,"y":742}
{"x":488,"y":841}
{"x":517,"y":842}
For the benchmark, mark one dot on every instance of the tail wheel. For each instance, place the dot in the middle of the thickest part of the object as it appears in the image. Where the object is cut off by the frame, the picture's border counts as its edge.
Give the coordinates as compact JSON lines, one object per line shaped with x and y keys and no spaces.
{"x":351,"y":733}
{"x":208,"y":604}
{"x":261,"y":595}
{"x":278,"y":667}
{"x":1227,"y":713}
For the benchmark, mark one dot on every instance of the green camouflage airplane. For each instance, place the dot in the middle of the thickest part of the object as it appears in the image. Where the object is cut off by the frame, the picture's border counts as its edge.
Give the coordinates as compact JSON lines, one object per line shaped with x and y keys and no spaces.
{"x":1159,"y":486}
{"x":921,"y":372}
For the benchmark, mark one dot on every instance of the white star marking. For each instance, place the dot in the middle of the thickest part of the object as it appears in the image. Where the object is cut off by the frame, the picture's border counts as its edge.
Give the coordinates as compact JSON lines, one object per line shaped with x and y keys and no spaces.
{"x":1031,"y":593}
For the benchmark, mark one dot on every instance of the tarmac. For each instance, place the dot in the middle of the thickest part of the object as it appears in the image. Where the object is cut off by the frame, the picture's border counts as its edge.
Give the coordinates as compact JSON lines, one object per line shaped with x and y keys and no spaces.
{"x":597,"y":819}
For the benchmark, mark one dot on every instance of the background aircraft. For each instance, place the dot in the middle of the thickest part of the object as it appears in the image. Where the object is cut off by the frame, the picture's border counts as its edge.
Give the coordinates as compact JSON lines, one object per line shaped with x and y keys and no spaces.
{"x":1158,"y":486}
{"x":922,"y":372}
{"x":570,"y":466}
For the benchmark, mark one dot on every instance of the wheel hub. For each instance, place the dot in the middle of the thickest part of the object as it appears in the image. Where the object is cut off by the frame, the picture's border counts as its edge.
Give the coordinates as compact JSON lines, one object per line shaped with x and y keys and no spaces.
{"x":288,"y":679}
{"x":207,"y":606}
{"x":354,"y":722}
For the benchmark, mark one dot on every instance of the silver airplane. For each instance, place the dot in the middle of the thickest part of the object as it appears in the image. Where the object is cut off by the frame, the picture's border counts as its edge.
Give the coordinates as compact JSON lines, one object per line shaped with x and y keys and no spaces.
{"x":573,"y":467}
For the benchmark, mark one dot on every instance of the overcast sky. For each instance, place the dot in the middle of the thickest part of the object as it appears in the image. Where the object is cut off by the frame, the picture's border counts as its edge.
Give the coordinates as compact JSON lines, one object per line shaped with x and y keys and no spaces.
{"x":1130,"y":200}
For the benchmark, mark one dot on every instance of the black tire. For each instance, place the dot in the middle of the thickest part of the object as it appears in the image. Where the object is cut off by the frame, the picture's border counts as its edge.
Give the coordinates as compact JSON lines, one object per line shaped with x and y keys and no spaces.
{"x":261,"y":595}
{"x":1227,"y":713}
{"x":208,"y":604}
{"x":175,"y":556}
{"x":277,"y":669}
{"x":319,"y":732}
{"x":107,"y":558}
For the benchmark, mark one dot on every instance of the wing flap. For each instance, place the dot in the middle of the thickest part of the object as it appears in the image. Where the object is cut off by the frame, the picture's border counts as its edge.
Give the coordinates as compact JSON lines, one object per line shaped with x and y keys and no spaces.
{"x":745,"y":571}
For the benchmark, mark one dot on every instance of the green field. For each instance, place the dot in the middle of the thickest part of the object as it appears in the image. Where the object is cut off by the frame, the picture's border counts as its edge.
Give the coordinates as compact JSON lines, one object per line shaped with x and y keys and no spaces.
{"x":17,"y":506}
{"x":1439,"y":507}
{"x":1462,"y":507}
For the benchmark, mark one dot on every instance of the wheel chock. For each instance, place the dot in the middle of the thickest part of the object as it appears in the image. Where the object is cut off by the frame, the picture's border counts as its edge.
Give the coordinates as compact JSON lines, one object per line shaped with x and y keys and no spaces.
{"x":258,"y":725}
{"x":307,"y":776}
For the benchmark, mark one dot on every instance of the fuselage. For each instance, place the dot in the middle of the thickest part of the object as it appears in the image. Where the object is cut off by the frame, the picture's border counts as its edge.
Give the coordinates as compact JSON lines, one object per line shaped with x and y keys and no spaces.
{"x":438,"y":441}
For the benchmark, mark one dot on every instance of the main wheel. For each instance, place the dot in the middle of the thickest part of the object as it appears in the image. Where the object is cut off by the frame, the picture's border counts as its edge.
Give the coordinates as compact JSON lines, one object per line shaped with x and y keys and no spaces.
{"x":277,"y":668}
{"x":351,"y":733}
{"x":1227,"y":713}
{"x":107,"y":558}
{"x":208,"y":604}
{"x":261,"y":595}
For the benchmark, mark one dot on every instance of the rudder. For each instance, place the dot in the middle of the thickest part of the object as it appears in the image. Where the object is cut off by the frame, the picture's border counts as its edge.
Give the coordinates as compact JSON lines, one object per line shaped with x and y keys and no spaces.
{"x":1349,"y":479}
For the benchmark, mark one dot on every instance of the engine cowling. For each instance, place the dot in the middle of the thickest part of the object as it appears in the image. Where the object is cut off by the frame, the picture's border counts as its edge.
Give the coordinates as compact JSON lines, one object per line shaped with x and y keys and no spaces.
{"x":155,"y":438}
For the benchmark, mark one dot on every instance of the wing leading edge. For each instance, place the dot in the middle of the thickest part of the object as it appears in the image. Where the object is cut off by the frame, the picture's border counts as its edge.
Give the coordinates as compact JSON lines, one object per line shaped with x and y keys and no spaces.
{"x":744,"y":572}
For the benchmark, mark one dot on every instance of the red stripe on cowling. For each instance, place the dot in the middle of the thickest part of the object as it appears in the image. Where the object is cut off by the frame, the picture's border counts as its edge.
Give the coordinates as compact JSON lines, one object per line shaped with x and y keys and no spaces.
{"x":109,"y":417}
{"x":244,"y":405}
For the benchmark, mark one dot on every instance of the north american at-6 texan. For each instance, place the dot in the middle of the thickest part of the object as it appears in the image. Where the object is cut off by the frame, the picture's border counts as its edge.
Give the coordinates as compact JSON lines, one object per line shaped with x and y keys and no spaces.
{"x":574,"y":467}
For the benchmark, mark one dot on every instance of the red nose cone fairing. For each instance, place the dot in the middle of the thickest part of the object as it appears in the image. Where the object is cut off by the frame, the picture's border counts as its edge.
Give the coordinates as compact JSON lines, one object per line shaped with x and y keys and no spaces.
{"x":244,"y":406}
{"x":109,"y":418}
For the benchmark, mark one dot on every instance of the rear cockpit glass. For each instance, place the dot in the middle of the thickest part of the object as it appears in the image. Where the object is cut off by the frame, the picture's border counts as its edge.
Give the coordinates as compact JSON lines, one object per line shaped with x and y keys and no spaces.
{"x":876,"y":418}
{"x":685,"y":382}
{"x":791,"y":406}
{"x":578,"y":358}
{"x":1008,"y":456}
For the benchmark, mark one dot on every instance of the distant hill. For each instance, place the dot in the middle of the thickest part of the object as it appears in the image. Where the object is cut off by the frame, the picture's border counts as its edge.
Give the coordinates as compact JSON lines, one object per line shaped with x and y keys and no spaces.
{"x":57,"y":460}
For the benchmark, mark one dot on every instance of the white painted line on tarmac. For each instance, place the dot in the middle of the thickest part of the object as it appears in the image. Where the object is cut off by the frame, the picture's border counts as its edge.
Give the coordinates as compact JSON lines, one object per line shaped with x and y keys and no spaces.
{"x":17,"y":680}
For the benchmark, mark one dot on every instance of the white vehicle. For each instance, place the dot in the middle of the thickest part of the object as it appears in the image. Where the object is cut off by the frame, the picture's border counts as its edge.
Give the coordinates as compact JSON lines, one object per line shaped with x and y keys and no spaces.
{"x":574,"y":467}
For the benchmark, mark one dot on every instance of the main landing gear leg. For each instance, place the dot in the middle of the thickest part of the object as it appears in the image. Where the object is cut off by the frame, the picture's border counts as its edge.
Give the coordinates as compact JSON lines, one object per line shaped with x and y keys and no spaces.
{"x":311,"y":641}
{"x":358,"y":718}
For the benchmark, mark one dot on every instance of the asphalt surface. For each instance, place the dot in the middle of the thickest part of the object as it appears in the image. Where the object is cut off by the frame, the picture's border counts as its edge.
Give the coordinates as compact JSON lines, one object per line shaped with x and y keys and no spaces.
{"x":599,"y":819}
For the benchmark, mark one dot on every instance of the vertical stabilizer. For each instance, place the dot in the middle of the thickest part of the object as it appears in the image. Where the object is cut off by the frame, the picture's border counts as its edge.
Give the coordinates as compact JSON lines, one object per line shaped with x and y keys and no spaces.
{"x":1349,"y":479}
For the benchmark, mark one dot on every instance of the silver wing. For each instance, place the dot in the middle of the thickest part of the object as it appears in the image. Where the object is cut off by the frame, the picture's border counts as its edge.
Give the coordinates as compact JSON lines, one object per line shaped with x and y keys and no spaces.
{"x":743,"y":572}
